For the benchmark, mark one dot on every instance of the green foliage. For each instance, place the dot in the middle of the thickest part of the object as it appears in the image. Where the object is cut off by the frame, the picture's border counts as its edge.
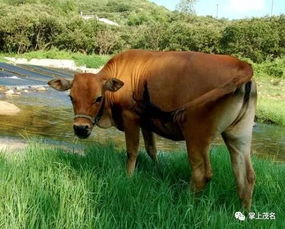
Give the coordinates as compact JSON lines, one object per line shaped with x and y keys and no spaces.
{"x":271,"y":110}
{"x":273,"y":68}
{"x":118,"y":6}
{"x":194,"y":34}
{"x":52,"y":53}
{"x":27,"y":25}
{"x":271,"y":100}
{"x":2,"y":59}
{"x":77,"y":35}
{"x":254,"y":38}
{"x":91,"y":60}
{"x":46,"y":187}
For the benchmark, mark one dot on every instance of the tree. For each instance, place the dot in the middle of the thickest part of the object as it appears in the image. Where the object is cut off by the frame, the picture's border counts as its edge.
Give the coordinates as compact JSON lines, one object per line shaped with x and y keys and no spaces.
{"x":186,"y":6}
{"x":105,"y":41}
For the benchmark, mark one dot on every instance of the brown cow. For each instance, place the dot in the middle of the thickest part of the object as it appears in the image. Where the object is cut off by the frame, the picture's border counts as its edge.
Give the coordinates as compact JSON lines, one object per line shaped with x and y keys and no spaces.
{"x":179,"y":95}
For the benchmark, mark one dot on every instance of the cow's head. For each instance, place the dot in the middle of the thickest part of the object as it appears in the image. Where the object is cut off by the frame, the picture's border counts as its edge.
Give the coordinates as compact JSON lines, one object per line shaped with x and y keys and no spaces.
{"x":87,"y":94}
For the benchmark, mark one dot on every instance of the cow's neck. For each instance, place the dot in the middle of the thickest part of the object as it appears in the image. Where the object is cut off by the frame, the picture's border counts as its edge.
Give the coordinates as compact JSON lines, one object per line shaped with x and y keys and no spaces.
{"x":106,"y":119}
{"x":128,"y":72}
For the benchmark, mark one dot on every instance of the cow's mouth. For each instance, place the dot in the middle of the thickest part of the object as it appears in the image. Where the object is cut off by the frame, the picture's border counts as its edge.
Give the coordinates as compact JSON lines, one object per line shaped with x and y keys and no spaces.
{"x":83,"y":136}
{"x":82,"y":131}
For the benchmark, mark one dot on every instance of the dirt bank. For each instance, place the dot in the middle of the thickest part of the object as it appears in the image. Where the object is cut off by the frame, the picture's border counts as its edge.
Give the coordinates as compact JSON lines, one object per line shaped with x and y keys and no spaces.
{"x":11,"y":144}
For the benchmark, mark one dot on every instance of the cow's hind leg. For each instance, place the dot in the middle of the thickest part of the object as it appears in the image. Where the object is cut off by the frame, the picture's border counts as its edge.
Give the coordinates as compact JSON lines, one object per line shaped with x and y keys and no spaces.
{"x":149,"y":143}
{"x":238,"y":141}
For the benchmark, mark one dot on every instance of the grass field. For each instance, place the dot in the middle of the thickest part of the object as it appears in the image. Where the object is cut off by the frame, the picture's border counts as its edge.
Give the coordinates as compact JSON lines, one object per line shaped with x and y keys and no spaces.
{"x":271,"y":100}
{"x":91,"y":61}
{"x":49,"y":188}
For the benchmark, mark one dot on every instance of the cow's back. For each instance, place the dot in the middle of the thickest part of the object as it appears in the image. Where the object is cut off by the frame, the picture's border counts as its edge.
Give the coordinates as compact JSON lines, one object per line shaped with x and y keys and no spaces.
{"x":175,"y":78}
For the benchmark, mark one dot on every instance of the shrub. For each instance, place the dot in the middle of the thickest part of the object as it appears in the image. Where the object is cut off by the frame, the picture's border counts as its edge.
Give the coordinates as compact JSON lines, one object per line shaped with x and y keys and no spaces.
{"x":27,"y":25}
{"x":77,"y":35}
{"x":254,"y":38}
{"x":274,"y":68}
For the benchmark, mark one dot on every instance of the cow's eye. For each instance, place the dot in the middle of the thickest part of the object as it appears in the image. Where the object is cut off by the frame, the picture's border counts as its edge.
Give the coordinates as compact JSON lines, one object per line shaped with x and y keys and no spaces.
{"x":71,"y":98}
{"x":98,"y":99}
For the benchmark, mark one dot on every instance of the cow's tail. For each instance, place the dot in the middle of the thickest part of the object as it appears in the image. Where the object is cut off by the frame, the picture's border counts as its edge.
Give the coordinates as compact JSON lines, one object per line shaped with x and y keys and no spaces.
{"x":249,"y":93}
{"x":243,"y":77}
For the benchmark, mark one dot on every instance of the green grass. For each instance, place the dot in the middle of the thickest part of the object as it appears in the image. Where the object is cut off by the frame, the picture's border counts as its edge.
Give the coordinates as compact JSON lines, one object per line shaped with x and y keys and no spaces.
{"x":49,"y":188}
{"x":271,"y":111}
{"x":2,"y":59}
{"x":91,"y":61}
{"x":271,"y":100}
{"x":271,"y":68}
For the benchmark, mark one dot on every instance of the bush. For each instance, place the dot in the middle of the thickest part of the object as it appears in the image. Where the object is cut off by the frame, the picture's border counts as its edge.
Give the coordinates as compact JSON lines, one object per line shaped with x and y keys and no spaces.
{"x":27,"y":27}
{"x":108,"y":40}
{"x":77,"y":35}
{"x":274,"y":68}
{"x":41,"y":24}
{"x":256,"y":39}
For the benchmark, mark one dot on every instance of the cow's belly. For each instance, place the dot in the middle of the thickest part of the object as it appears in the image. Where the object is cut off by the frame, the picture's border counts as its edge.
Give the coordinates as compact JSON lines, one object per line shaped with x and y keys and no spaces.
{"x":168,"y":130}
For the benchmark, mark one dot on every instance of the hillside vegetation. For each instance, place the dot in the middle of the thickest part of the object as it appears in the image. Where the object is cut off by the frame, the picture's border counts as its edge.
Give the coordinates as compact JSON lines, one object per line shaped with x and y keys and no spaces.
{"x":27,"y":25}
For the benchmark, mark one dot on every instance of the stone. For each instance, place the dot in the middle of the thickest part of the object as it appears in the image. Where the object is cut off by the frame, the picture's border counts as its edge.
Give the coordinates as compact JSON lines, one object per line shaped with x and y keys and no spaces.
{"x":9,"y":92}
{"x":41,"y":89}
{"x":8,"y":108}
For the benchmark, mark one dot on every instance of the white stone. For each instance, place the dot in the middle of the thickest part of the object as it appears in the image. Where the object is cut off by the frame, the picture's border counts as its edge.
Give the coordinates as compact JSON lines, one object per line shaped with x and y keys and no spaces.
{"x":107,"y":21}
{"x":41,"y":89}
{"x":9,"y":92}
{"x":8,"y":108}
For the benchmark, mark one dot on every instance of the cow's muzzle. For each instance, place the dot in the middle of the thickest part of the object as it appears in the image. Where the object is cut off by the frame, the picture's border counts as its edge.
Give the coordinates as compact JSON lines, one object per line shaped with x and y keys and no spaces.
{"x":82,"y":131}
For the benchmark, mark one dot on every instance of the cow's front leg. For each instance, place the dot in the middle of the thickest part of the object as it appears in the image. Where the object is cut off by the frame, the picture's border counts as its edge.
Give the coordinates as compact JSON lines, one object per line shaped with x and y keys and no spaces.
{"x":149,"y":143}
{"x":132,"y":135}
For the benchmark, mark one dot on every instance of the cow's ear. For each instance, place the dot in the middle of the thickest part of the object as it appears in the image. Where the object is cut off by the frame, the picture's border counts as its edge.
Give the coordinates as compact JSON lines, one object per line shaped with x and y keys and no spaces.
{"x":60,"y":84}
{"x":113,"y":84}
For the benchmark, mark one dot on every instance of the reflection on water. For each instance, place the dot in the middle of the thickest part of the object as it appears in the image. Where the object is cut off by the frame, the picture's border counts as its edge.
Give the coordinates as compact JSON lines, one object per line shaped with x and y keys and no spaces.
{"x":50,"y":115}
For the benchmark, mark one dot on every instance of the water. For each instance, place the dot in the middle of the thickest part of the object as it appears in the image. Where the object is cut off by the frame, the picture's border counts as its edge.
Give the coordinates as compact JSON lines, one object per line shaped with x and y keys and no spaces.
{"x":49,"y":114}
{"x":28,"y":75}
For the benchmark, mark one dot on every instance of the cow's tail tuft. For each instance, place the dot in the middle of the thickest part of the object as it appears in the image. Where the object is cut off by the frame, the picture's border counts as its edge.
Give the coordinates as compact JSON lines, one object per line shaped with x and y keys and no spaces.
{"x":247,"y":92}
{"x":179,"y":115}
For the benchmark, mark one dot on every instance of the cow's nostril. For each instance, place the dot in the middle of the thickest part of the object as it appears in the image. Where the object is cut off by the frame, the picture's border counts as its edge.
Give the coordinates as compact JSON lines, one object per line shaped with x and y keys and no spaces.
{"x":75,"y":127}
{"x":82,"y":131}
{"x":80,"y":127}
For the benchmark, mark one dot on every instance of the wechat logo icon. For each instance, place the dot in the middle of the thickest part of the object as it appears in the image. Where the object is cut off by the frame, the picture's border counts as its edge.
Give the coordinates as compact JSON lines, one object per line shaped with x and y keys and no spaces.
{"x":239,"y":216}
